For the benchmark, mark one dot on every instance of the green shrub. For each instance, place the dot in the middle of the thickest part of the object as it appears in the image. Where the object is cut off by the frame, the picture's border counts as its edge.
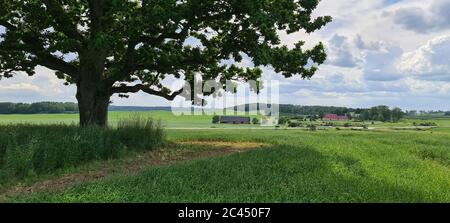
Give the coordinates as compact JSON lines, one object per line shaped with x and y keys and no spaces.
{"x":331,"y":124}
{"x":38,"y":149}
{"x":312,"y":127}
{"x":436,"y":154}
{"x":256,"y":121}
{"x":216,"y":119}
{"x":294,"y":124}
{"x":283,"y":120}
{"x":426,"y":124}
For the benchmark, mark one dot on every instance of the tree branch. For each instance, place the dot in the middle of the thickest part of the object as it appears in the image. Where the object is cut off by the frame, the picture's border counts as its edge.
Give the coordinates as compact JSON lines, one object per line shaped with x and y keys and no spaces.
{"x":62,"y":21}
{"x":123,"y":89}
{"x":184,"y":32}
{"x":44,"y":58}
{"x":7,"y":25}
{"x":54,"y":63}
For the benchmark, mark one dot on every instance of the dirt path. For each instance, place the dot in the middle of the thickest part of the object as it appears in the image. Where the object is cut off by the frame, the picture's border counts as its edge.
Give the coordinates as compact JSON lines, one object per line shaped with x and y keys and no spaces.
{"x":173,"y":153}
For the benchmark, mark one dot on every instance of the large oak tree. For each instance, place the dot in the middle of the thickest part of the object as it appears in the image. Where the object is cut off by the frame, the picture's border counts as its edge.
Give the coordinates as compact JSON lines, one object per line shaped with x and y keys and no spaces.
{"x":108,"y":47}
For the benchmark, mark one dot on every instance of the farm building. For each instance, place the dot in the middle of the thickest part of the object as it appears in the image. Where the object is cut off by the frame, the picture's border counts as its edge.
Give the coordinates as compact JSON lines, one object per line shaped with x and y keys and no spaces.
{"x":334,"y":117}
{"x":234,"y":120}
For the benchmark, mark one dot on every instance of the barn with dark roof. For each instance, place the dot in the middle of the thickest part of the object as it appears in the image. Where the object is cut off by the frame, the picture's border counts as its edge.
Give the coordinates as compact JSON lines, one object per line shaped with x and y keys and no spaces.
{"x":234,"y":120}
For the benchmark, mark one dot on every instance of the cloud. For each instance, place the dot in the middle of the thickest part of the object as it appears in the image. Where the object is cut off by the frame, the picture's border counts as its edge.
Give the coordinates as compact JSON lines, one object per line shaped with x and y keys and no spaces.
{"x":377,"y":59}
{"x":381,"y":65}
{"x":429,"y":62}
{"x":2,"y":31}
{"x":391,"y":2}
{"x":390,"y":86}
{"x":434,"y":18}
{"x":340,"y":52}
{"x":363,"y":45}
{"x":43,"y":86}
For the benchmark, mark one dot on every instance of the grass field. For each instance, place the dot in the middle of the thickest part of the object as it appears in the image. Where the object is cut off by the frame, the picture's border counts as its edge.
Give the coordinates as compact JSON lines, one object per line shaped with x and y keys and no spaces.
{"x":296,"y":166}
{"x":168,"y":119}
{"x":300,"y":166}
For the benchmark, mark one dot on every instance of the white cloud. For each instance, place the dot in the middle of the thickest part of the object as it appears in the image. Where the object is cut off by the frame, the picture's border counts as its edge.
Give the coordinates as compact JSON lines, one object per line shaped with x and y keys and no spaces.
{"x":425,"y":18}
{"x":429,"y":62}
{"x":340,"y":52}
{"x":20,"y":86}
{"x":381,"y":65}
{"x":43,"y":86}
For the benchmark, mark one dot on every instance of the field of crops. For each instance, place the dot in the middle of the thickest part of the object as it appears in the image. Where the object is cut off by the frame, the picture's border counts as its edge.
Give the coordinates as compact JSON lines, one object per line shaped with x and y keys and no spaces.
{"x":170,"y":120}
{"x":299,"y":166}
{"x":295,"y":166}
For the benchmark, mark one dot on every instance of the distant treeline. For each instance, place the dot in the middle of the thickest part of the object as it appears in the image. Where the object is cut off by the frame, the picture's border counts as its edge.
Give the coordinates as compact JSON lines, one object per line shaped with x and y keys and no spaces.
{"x":315,"y":110}
{"x":381,"y":113}
{"x":378,"y":113}
{"x":38,"y":108}
{"x":293,"y":110}
{"x":62,"y":107}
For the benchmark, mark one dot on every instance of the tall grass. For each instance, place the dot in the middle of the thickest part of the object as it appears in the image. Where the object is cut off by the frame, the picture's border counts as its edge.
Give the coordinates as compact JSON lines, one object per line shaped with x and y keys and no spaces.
{"x":27,"y":150}
{"x":138,"y":132}
{"x":299,"y":166}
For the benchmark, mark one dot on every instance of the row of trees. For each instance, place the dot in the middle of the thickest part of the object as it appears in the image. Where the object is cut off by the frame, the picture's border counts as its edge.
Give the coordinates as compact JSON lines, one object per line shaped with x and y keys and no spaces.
{"x":430,"y":112}
{"x":36,"y":108}
{"x":378,"y":113}
{"x":382,"y":113}
{"x":314,"y":110}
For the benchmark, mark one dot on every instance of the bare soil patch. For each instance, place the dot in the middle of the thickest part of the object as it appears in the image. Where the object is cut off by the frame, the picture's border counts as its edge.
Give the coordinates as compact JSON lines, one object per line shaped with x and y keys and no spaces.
{"x":172,"y":153}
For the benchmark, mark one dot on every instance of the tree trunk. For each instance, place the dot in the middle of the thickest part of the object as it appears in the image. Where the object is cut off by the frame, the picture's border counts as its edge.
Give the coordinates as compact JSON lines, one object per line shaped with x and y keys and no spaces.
{"x":93,"y":94}
{"x":93,"y":106}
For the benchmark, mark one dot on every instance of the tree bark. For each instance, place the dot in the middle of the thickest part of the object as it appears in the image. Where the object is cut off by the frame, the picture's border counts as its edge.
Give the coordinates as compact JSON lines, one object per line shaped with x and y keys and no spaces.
{"x":93,"y":94}
{"x":93,"y":106}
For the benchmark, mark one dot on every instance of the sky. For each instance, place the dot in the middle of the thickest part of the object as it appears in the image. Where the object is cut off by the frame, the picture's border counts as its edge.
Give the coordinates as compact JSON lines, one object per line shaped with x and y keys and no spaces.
{"x":390,"y":52}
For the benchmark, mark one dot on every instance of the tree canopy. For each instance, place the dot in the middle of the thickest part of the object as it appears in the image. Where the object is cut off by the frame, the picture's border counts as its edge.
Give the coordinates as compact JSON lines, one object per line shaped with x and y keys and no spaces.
{"x":109,"y":47}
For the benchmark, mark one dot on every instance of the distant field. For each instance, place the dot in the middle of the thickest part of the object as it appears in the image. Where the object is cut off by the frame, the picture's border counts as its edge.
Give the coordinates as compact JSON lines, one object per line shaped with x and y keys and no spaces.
{"x":168,"y":119}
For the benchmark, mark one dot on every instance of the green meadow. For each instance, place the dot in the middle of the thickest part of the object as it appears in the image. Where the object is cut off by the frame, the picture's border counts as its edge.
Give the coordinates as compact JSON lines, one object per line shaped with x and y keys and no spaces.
{"x":296,"y":165}
{"x":168,"y":119}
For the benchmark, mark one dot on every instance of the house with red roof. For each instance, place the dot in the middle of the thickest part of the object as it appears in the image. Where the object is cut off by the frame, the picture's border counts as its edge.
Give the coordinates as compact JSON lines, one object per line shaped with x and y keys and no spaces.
{"x":334,"y":117}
